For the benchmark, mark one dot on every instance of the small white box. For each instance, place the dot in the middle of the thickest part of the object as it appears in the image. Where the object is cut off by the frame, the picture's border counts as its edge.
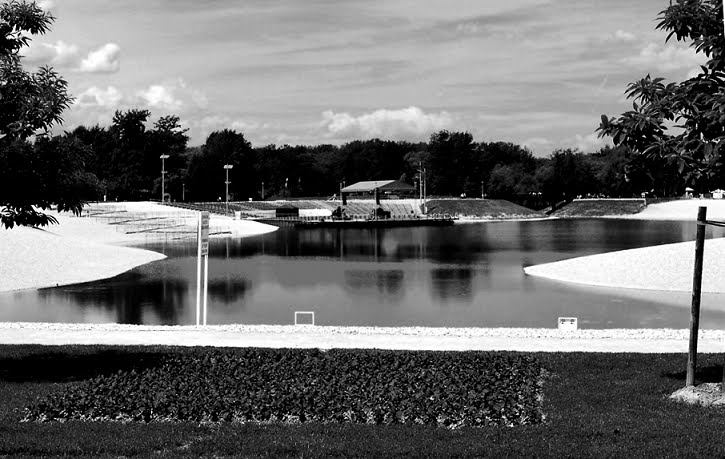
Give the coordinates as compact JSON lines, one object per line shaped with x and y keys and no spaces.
{"x":567,"y":323}
{"x":311,"y":314}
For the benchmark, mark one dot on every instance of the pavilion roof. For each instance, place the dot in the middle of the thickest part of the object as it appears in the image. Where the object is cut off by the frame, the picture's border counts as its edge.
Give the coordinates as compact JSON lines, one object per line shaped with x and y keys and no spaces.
{"x":382,"y":185}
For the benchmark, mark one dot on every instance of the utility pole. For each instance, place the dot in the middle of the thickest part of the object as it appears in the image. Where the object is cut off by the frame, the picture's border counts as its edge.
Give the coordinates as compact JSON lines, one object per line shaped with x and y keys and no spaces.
{"x":183,"y":192}
{"x":163,"y":173}
{"x":226,"y":202}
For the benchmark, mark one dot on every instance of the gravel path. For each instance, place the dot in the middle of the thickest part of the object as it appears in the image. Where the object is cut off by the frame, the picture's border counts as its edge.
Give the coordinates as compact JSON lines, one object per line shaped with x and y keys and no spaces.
{"x":323,"y":337}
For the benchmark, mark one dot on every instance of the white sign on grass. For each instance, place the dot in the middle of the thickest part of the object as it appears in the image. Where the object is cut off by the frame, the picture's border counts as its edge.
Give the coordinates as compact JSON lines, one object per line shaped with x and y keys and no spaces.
{"x":567,"y":323}
{"x":310,"y":315}
{"x":204,"y":233}
{"x":202,"y":252}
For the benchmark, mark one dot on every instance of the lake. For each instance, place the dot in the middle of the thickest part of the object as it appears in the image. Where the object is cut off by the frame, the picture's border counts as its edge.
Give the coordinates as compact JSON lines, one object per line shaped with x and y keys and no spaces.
{"x":468,"y":275}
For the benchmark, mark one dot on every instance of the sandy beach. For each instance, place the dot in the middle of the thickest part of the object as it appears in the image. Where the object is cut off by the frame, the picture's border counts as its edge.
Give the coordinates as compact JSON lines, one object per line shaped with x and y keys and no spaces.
{"x":666,"y":267}
{"x":80,"y":250}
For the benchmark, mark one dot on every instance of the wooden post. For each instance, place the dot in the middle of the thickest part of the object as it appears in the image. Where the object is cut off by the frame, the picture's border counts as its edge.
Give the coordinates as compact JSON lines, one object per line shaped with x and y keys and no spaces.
{"x":696,"y":285}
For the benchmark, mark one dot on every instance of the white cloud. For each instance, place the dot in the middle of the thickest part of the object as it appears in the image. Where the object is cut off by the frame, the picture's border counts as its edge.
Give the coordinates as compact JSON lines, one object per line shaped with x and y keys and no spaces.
{"x":621,"y":36}
{"x":468,"y":28}
{"x":403,"y":124}
{"x":47,"y":5}
{"x":539,"y":144}
{"x":97,"y":97}
{"x":666,"y":58}
{"x":58,"y":54}
{"x":591,"y":143}
{"x":106,"y":59}
{"x":695,"y":71}
{"x":160,"y":96}
{"x":172,"y":95}
{"x":262,"y":132}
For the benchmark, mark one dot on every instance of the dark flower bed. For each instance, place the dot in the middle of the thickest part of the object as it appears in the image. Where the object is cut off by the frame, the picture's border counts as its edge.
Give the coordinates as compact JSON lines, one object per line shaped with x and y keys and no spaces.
{"x":448,"y":389}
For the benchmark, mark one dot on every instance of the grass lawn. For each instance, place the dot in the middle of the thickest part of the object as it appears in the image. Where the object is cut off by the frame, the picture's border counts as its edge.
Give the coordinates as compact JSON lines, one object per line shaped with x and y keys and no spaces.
{"x":597,"y":405}
{"x":598,"y":208}
{"x":491,"y":208}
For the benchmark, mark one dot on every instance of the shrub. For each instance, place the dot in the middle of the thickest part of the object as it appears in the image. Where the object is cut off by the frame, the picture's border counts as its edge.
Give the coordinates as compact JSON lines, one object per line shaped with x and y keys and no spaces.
{"x":449,"y":389}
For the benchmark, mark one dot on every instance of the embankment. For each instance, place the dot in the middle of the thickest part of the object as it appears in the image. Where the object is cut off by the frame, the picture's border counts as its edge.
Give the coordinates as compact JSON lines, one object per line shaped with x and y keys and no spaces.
{"x":600,"y":208}
{"x":482,"y":209}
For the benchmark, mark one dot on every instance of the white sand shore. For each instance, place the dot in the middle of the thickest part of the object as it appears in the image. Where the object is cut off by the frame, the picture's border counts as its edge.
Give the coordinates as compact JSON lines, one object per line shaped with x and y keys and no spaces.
{"x":685,"y":209}
{"x":82,"y":250}
{"x":666,"y":267}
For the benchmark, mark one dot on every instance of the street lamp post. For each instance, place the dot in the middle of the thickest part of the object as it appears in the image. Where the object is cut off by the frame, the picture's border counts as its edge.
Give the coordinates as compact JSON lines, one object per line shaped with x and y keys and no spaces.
{"x":163,"y":173}
{"x":226,"y":182}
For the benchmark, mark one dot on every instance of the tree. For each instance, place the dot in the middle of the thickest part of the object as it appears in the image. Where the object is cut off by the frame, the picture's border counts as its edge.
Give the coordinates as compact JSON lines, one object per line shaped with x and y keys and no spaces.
{"x":451,"y":156}
{"x":206,"y":169}
{"x":565,"y":175}
{"x":697,"y":105}
{"x":131,"y":167}
{"x":29,"y":102}
{"x":167,"y":138}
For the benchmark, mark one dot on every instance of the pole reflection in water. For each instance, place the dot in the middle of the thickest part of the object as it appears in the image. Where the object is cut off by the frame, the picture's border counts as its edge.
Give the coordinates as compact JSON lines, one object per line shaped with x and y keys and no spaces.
{"x":465,"y":275}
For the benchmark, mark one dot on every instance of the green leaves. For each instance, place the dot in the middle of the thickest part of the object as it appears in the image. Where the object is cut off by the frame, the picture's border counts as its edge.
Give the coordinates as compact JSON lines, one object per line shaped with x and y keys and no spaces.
{"x":447,"y":389}
{"x":696,"y":104}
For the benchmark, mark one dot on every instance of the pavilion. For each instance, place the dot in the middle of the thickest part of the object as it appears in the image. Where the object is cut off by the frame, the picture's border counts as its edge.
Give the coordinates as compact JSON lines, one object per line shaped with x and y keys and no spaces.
{"x":375,"y":187}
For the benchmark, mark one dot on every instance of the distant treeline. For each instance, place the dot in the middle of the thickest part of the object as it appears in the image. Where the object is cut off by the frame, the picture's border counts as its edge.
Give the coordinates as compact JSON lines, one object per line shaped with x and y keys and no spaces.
{"x":123,"y":162}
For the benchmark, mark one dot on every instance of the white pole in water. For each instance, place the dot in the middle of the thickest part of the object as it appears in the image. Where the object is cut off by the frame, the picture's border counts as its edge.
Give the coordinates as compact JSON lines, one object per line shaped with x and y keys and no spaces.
{"x":206,"y":282}
{"x":198,"y":272}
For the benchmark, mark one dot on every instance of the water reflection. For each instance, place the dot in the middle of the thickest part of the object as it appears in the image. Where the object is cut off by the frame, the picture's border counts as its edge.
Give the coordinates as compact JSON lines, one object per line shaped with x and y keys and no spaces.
{"x":132,"y":298}
{"x":385,"y":282}
{"x":452,"y":283}
{"x":228,"y":290}
{"x":465,"y":275}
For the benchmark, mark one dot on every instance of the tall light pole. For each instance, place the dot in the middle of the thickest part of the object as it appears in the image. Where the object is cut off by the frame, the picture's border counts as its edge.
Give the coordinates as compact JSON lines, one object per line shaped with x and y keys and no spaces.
{"x":423,"y":200}
{"x":163,"y":173}
{"x":226,"y":182}
{"x":262,"y":191}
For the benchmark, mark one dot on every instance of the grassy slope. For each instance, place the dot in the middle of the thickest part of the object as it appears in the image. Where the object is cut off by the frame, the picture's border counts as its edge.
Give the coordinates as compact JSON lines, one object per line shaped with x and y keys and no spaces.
{"x":598,"y":405}
{"x":598,"y":208}
{"x":491,"y":208}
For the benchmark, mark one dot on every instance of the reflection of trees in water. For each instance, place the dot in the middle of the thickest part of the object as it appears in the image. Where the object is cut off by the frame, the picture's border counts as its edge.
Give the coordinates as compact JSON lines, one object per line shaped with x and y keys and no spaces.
{"x":370,"y":244}
{"x":127,"y":295}
{"x":387,"y":282}
{"x":452,"y":283}
{"x":228,"y":291}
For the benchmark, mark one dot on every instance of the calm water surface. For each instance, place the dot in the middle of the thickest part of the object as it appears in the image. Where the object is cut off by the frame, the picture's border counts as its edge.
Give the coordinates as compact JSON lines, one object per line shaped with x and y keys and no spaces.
{"x":468,"y":275}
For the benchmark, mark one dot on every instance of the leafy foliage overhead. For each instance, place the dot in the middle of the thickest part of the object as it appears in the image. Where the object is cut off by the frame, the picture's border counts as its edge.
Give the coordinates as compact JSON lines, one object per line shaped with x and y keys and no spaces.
{"x":681,"y":124}
{"x":29,"y":103}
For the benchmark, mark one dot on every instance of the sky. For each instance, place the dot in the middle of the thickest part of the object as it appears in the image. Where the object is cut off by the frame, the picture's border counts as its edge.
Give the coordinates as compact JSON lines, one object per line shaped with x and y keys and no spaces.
{"x":538,"y":73}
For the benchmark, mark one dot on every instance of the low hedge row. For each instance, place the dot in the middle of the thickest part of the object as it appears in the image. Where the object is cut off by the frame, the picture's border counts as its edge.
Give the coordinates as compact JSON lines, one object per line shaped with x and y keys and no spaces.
{"x":449,"y":389}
